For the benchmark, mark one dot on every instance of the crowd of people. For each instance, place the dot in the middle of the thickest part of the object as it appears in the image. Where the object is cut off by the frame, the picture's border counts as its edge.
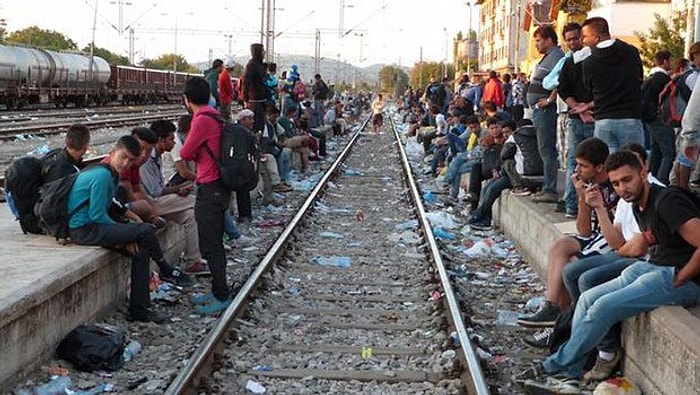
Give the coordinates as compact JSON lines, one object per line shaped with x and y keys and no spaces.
{"x":629,"y":173}
{"x":122,"y":202}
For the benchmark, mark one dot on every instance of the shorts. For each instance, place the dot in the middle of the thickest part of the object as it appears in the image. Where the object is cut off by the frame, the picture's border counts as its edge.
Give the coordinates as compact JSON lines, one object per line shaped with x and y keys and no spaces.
{"x":591,"y":246}
{"x":377,"y":119}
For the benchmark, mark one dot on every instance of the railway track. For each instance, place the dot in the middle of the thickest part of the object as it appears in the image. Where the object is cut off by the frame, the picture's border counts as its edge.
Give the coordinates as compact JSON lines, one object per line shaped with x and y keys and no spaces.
{"x":57,"y":126}
{"x":28,"y":116}
{"x":326,"y":313}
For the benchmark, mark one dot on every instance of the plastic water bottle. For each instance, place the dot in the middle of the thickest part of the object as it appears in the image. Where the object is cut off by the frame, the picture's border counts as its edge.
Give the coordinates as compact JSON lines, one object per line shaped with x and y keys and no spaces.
{"x":57,"y":386}
{"x":131,"y":350}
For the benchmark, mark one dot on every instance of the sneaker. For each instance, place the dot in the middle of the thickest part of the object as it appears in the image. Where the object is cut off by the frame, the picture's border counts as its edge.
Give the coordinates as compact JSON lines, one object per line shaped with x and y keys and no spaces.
{"x":602,"y":368}
{"x":281,"y":187}
{"x":520,"y":192}
{"x":545,"y":316}
{"x":197,"y":268}
{"x":242,"y":242}
{"x":539,"y":339}
{"x":483,"y":225}
{"x":177,"y":277}
{"x":148,"y":315}
{"x":553,"y":385}
{"x":533,"y":372}
{"x":546,"y":197}
{"x":214,"y":307}
{"x":561,"y":207}
{"x":202,"y":298}
{"x":570,"y":215}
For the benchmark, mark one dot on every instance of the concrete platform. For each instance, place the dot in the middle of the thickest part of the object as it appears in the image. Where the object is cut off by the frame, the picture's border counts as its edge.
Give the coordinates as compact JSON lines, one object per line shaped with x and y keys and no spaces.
{"x":47,"y":289}
{"x":662,"y":347}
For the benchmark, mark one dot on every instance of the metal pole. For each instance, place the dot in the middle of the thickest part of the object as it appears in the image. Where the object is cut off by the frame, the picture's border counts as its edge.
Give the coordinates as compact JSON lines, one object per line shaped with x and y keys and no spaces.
{"x":175,"y":53}
{"x":131,"y":47}
{"x":317,"y":53}
{"x":92,"y":45}
{"x":469,"y":40}
{"x":420,"y":68}
{"x":341,"y":19}
{"x":262,"y":21}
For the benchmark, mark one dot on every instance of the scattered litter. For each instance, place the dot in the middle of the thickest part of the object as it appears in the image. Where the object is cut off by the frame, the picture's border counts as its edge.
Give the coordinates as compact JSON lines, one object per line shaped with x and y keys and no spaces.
{"x":262,"y":368}
{"x":484,"y":354}
{"x":441,"y":219}
{"x":57,"y":371}
{"x":293,"y":290}
{"x":270,"y":223}
{"x":534,"y":303}
{"x":449,"y":354}
{"x":40,"y":151}
{"x":406,"y":236}
{"x":480,"y":249}
{"x":436,"y":295}
{"x":429,"y":197}
{"x":130,"y":351}
{"x":351,"y":172}
{"x":57,"y":385}
{"x":336,"y":261}
{"x":441,"y":233}
{"x":366,"y":352}
{"x":359,"y":215}
{"x":508,"y":317}
{"x":331,"y":235}
{"x":407,"y":225}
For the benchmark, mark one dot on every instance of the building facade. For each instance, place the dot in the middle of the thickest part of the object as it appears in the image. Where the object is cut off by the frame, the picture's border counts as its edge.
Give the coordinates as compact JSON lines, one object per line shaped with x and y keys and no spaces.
{"x":501,"y":44}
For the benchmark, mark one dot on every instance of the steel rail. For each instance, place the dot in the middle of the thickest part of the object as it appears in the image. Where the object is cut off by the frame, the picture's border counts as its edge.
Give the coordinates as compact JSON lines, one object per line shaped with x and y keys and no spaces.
{"x":477,"y":385}
{"x":184,"y":381}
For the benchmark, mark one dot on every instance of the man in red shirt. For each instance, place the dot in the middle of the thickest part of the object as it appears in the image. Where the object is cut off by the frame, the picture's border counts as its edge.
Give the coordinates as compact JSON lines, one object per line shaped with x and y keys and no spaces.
{"x":212,"y":197}
{"x":226,"y":89}
{"x":493,"y":91}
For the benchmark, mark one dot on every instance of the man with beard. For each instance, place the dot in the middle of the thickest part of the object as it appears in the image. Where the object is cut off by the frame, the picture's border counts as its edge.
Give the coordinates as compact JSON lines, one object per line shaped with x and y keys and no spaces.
{"x":670,"y":223}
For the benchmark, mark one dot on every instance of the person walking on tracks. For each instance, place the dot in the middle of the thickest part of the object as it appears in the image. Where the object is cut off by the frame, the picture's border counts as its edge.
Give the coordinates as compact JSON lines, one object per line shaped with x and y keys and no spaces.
{"x":377,"y":116}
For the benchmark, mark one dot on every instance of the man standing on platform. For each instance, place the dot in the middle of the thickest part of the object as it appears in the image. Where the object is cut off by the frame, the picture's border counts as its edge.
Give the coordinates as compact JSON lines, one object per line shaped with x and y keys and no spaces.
{"x":544,"y":114}
{"x":613,"y":74}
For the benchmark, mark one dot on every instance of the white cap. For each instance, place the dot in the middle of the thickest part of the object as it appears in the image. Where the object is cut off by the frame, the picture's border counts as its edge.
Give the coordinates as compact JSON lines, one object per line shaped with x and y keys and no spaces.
{"x":245,"y":113}
{"x":229,"y":63}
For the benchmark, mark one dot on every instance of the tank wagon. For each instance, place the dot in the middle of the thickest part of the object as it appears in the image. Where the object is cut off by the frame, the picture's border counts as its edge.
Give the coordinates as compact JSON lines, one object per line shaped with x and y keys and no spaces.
{"x":32,"y":75}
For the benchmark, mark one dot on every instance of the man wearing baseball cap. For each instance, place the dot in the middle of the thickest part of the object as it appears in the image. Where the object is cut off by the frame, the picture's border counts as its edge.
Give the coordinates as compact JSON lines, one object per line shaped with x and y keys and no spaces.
{"x":246,"y":118}
{"x":226,"y":89}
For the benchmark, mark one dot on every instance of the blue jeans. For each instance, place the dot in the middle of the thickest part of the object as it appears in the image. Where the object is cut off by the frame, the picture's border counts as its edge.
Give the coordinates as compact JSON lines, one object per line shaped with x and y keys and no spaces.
{"x":459,"y":165}
{"x":576,"y":131}
{"x":545,"y":121}
{"x":230,"y":227}
{"x":618,"y":132}
{"x":284,"y":164}
{"x":641,"y":287}
{"x":489,"y":195}
{"x":663,"y":150}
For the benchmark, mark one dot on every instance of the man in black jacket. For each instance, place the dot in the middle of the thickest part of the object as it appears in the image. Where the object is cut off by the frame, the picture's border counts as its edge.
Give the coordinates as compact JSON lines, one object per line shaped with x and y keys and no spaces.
{"x":255,"y":92}
{"x":572,"y":90}
{"x":663,"y":146}
{"x":613,"y":74}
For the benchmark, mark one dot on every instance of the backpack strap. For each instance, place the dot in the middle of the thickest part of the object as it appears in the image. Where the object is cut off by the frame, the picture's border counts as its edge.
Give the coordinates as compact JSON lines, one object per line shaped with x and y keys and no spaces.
{"x":205,"y":146}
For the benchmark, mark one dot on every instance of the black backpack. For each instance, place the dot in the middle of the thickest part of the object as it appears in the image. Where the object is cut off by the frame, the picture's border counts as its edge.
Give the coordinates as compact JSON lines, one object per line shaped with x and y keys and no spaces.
{"x":239,"y":156}
{"x":93,"y":347}
{"x":22,"y":182}
{"x":52,"y":207}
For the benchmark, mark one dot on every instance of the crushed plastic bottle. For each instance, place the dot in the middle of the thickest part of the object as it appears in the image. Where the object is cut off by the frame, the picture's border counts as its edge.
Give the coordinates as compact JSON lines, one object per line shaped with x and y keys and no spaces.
{"x":130,"y":351}
{"x":441,"y":233}
{"x":480,"y":249}
{"x":499,"y":252}
{"x":508,"y":317}
{"x":534,"y":303}
{"x":57,"y":386}
{"x":429,"y":197}
{"x":331,"y":235}
{"x":336,"y":261}
{"x":406,"y":225}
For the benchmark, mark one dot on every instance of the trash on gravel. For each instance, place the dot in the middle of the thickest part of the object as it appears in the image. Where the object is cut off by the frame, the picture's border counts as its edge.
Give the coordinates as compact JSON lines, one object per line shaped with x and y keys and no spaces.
{"x":331,"y":235}
{"x":359,"y":215}
{"x":508,"y":317}
{"x":480,"y":249}
{"x":441,"y":233}
{"x":351,"y":172}
{"x":429,"y":197}
{"x":534,"y":303}
{"x":406,"y":236}
{"x":336,"y":261}
{"x":262,"y":368}
{"x":270,"y":223}
{"x":407,"y":225}
{"x":441,"y":219}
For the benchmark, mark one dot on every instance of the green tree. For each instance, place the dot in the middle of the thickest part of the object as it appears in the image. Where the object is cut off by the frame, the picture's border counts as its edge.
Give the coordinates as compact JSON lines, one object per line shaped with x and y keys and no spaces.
{"x":662,"y":36}
{"x":392,"y":79}
{"x":107,"y":55}
{"x":165,"y":62}
{"x":237,"y":70}
{"x":41,"y":38}
{"x":421,"y":72}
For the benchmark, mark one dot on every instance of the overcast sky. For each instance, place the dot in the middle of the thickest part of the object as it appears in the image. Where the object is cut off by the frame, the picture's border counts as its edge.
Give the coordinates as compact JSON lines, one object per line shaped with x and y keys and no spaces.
{"x":393,"y":34}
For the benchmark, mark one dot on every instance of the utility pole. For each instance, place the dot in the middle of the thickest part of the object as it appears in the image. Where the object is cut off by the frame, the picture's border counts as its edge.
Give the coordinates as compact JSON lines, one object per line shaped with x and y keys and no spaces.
{"x":420,"y":68}
{"x":92,"y":45}
{"x":131,"y":47}
{"x":341,"y":19}
{"x":317,"y":53}
{"x":270,"y":35}
{"x":262,"y":22}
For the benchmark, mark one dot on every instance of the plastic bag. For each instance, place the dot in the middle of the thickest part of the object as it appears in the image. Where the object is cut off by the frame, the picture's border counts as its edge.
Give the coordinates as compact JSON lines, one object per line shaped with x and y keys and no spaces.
{"x":93,"y":347}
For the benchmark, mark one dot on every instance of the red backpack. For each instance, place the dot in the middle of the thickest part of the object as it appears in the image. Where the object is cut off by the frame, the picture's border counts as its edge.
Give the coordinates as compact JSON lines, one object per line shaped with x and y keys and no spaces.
{"x":673,"y":99}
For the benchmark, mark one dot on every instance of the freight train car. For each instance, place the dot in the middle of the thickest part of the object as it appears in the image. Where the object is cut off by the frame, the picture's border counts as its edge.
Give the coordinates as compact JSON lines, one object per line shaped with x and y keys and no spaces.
{"x":30,"y":75}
